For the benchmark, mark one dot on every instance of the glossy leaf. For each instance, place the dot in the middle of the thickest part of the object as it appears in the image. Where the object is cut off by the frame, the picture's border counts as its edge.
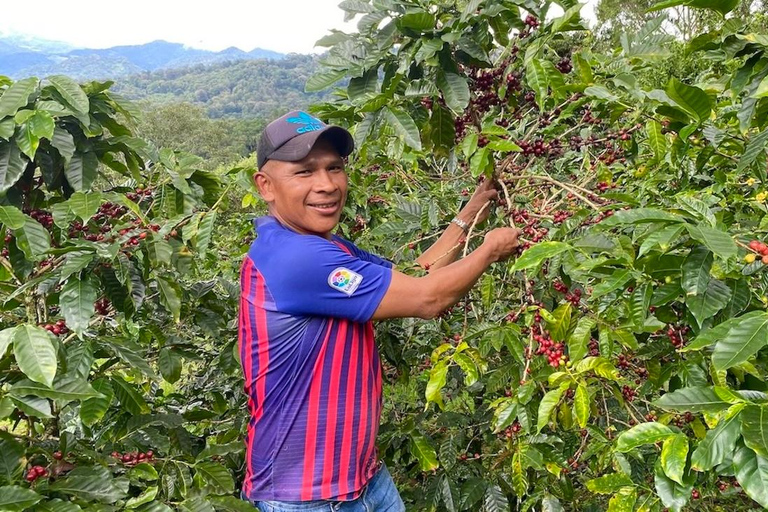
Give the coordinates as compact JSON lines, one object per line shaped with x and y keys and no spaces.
{"x":403,"y":126}
{"x":752,"y":474}
{"x":17,"y":96}
{"x":693,"y":399}
{"x":547,"y":405}
{"x":754,"y":428}
{"x":77,"y":301}
{"x":743,"y":340}
{"x":455,"y":90}
{"x":717,"y":445}
{"x":644,"y":433}
{"x":35,"y":353}
{"x":14,"y":498}
{"x":694,"y":101}
{"x":424,"y":452}
{"x":538,"y":254}
{"x":674,"y":456}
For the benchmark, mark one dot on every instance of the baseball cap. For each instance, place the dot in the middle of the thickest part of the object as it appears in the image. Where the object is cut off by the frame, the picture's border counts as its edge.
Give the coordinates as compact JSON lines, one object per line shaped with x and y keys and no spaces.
{"x":290,"y":138}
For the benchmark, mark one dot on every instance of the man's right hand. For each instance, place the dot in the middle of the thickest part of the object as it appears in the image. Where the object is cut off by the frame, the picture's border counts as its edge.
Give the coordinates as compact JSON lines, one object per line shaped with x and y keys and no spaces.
{"x":502,"y":242}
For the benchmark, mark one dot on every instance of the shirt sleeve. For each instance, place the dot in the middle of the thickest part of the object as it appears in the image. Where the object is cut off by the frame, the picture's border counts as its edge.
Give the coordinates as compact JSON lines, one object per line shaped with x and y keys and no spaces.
{"x":316,"y":277}
{"x":365,"y":255}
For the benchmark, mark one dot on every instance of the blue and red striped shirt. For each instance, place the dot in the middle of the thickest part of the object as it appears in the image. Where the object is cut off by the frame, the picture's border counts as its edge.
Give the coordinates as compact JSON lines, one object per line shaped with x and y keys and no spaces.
{"x":312,"y":370}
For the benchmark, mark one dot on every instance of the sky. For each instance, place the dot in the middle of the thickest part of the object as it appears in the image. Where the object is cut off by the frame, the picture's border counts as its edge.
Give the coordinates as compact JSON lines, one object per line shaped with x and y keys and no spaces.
{"x":284,"y":26}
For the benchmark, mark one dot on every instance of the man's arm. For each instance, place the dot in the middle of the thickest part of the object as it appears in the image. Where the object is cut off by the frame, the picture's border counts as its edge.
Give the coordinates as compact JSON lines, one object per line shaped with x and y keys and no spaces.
{"x":447,"y":248}
{"x":428,"y":296}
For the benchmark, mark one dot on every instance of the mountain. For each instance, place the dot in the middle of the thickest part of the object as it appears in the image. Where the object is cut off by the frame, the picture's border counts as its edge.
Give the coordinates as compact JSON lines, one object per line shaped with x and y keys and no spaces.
{"x":257,"y":88}
{"x":21,"y":57}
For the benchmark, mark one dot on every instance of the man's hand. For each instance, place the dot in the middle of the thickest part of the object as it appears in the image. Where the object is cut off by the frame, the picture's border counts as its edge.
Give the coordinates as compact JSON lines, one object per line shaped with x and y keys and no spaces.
{"x":484,"y":193}
{"x":502,"y":242}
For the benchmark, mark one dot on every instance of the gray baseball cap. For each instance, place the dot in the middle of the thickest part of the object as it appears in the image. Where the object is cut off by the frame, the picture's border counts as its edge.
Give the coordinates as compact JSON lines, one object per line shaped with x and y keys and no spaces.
{"x":290,"y":138}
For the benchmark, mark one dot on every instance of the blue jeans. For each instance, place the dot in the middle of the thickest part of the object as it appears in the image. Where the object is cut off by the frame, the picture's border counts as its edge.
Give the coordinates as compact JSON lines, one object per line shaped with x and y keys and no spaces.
{"x":379,"y":495}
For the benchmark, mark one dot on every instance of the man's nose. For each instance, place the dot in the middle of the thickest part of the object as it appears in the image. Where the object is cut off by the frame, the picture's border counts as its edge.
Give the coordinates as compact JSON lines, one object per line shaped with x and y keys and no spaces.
{"x":324,"y":181}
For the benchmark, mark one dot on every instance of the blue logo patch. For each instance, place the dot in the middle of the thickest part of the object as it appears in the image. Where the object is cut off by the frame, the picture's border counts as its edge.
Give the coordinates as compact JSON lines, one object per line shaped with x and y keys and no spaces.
{"x":310,"y":123}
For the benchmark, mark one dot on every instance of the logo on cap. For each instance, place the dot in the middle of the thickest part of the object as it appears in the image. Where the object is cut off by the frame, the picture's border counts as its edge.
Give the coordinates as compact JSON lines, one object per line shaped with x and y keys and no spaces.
{"x":344,"y":280}
{"x":310,"y":123}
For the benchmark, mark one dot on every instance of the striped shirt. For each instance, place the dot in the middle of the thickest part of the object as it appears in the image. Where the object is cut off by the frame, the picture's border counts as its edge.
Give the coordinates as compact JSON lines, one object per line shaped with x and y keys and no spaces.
{"x":312,"y":370}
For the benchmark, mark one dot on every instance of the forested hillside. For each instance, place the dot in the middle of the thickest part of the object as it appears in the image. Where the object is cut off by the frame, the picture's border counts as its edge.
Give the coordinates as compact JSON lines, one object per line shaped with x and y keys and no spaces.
{"x":245,"y":89}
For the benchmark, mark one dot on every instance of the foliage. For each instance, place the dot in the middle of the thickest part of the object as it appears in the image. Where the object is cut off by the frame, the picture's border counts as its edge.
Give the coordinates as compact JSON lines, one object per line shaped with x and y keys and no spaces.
{"x":619,"y":363}
{"x":247,"y":89}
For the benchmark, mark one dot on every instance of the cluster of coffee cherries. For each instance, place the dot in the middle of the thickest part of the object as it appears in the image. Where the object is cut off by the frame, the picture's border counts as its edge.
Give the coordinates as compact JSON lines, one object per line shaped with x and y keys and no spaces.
{"x":629,"y":393}
{"x":77,"y":228}
{"x":102,"y":306}
{"x":594,"y":347}
{"x":564,"y":65}
{"x":515,"y":81}
{"x":553,"y":351}
{"x":760,"y":248}
{"x":574,"y":298}
{"x":43,"y":217}
{"x":531,"y":21}
{"x":139,"y":194}
{"x":561,"y":216}
{"x":677,"y":336}
{"x":8,"y":240}
{"x":682,"y":420}
{"x":588,"y":118}
{"x":36,"y":472}
{"x":511,"y":430}
{"x":59,"y":328}
{"x":535,"y":148}
{"x":133,"y":458}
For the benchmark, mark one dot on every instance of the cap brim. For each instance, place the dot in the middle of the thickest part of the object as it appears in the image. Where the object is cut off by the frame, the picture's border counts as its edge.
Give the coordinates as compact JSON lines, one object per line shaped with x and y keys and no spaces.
{"x":299,"y":147}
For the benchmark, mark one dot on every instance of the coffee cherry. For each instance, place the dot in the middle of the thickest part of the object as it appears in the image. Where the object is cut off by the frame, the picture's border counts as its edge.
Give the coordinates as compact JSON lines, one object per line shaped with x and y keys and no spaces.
{"x":58,"y":455}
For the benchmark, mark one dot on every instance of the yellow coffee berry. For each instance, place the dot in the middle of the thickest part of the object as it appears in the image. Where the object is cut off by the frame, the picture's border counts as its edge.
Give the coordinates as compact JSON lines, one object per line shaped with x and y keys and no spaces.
{"x":750,"y":258}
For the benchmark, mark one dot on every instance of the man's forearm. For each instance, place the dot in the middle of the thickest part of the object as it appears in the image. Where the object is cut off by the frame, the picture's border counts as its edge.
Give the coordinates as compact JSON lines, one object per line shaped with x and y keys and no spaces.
{"x":446,"y":285}
{"x":446,"y":249}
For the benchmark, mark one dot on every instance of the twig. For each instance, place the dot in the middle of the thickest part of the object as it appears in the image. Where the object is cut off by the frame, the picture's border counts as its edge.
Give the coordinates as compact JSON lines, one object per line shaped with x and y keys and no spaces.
{"x":472,"y":227}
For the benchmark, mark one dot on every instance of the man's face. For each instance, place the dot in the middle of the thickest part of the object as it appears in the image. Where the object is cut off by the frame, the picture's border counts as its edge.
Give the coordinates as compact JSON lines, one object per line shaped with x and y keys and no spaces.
{"x":307,"y":195}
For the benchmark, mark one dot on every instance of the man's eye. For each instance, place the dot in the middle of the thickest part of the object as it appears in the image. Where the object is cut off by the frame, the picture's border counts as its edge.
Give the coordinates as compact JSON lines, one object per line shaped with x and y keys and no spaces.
{"x":304,"y":171}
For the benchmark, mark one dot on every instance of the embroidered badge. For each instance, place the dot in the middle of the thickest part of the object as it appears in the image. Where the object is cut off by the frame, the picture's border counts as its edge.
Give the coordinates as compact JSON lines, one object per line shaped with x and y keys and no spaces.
{"x":344,"y":280}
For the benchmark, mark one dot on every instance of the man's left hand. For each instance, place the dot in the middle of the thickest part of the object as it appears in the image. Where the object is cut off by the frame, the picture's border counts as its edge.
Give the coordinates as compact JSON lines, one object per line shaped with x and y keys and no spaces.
{"x":484,"y":193}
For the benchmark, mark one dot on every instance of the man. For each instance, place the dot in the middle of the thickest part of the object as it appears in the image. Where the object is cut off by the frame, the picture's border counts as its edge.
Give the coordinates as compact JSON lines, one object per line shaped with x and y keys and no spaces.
{"x":312,"y":371}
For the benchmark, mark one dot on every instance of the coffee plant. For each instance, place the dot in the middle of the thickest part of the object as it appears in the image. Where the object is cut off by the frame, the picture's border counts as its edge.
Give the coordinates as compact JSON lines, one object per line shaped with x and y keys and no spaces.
{"x":617,"y":363}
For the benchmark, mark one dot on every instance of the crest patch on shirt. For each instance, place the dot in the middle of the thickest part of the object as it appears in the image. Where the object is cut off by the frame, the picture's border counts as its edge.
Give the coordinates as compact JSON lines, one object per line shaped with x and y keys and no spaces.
{"x":344,"y":280}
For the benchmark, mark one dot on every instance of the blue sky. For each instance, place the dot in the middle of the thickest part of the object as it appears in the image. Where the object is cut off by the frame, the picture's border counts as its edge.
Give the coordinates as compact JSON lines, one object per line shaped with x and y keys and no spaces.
{"x":282,"y":25}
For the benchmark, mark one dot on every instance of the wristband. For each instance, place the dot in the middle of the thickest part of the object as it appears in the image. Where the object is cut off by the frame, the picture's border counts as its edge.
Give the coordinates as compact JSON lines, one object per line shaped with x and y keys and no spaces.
{"x":463,"y":225}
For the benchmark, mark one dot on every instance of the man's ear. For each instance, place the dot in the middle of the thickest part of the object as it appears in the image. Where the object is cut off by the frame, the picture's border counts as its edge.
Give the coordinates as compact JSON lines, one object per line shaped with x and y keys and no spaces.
{"x":264,"y":183}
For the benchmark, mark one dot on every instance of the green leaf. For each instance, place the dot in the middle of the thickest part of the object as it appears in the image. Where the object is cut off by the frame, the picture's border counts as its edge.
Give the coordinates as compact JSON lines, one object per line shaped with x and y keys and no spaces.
{"x":718,"y":444}
{"x":75,"y":262}
{"x":755,"y":147}
{"x":420,"y":21}
{"x":205,"y":232}
{"x":11,"y":217}
{"x":33,"y":406}
{"x":608,"y":484}
{"x":696,"y":268}
{"x":64,"y":142}
{"x":693,"y":399}
{"x":169,"y":362}
{"x":715,"y":240}
{"x":656,"y":139}
{"x":149,"y":494}
{"x":754,"y":428}
{"x":561,"y":321}
{"x":41,"y":125}
{"x":35,"y":353}
{"x":640,"y":216}
{"x":323,"y":80}
{"x":33,"y":239}
{"x":599,"y":91}
{"x":623,"y":501}
{"x":437,"y":380}
{"x":694,"y":101}
{"x":743,"y":340}
{"x":17,"y":96}
{"x":85,"y":204}
{"x":80,"y":170}
{"x":11,"y":459}
{"x":644,"y":433}
{"x":581,"y":405}
{"x":129,"y":397}
{"x":424,"y":452}
{"x":6,"y":338}
{"x":710,"y":336}
{"x":404,"y":126}
{"x":504,"y":146}
{"x":612,"y":283}
{"x":72,"y":93}
{"x":752,"y":474}
{"x":89,"y":483}
{"x":15,"y":498}
{"x":705,"y":305}
{"x":674,"y":455}
{"x":578,"y":342}
{"x":216,"y":476}
{"x":455,"y":90}
{"x":93,"y":409}
{"x":11,"y":165}
{"x":536,"y":255}
{"x":537,"y":79}
{"x":548,"y":403}
{"x":495,"y":500}
{"x":77,"y":301}
{"x":65,"y":387}
{"x":721,"y":6}
{"x":673,"y":495}
{"x":170,"y":295}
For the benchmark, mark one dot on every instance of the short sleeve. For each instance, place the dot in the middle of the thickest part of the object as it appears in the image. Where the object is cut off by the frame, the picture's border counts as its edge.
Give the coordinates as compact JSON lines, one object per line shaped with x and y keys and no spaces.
{"x":314,"y":276}
{"x":364,"y":255}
